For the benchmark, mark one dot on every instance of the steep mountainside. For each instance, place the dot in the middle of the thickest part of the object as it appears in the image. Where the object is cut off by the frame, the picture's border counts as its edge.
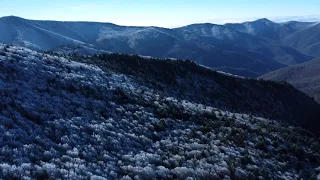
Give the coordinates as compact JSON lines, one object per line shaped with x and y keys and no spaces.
{"x":262,"y":27}
{"x":183,"y":79}
{"x":15,"y":30}
{"x":116,"y":119}
{"x":303,"y":36}
{"x":222,"y":47}
{"x":306,"y":40}
{"x":76,"y":49}
{"x":268,"y":29}
{"x":305,"y":77}
{"x":234,"y":39}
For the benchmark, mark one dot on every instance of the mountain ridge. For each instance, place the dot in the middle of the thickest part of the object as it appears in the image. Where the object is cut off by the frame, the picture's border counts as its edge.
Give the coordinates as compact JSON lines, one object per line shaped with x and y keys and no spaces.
{"x":304,"y":77}
{"x":218,"y":46}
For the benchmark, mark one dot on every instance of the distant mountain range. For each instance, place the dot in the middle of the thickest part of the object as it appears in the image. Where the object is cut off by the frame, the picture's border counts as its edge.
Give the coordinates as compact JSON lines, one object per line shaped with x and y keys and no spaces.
{"x":303,"y":36}
{"x":247,"y":49}
{"x":305,"y":77}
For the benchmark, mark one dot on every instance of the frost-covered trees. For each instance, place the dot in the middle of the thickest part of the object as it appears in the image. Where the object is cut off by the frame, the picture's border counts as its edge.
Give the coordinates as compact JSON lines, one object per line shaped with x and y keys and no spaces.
{"x":63,"y":119}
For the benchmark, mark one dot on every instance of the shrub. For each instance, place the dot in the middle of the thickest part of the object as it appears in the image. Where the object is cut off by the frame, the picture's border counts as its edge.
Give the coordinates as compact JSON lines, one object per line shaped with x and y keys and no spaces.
{"x":299,"y":152}
{"x":245,"y":160}
{"x":160,"y":126}
{"x":41,"y":175}
{"x":261,"y":145}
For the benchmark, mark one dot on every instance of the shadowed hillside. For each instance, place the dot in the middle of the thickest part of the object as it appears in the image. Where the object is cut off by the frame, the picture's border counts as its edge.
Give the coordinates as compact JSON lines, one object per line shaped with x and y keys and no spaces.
{"x":305,"y":77}
{"x":187,"y":80}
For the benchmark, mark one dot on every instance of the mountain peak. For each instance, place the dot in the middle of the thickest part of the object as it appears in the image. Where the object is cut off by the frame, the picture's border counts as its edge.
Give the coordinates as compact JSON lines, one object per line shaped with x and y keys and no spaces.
{"x":200,"y":24}
{"x":263,"y":20}
{"x":10,"y":17}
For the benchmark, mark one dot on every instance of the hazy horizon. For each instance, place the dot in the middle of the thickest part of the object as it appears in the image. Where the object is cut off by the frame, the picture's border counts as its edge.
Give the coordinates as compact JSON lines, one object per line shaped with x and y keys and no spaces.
{"x":163,"y":14}
{"x":219,"y":22}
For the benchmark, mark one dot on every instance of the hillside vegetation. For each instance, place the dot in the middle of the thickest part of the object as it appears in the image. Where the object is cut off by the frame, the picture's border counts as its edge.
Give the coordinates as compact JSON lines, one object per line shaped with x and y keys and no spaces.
{"x":114,"y":118}
{"x":189,"y":81}
{"x":305,"y":77}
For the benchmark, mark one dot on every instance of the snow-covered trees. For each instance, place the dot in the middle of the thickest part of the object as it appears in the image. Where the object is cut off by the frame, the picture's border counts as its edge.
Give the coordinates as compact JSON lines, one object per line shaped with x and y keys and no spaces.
{"x":68,"y":120}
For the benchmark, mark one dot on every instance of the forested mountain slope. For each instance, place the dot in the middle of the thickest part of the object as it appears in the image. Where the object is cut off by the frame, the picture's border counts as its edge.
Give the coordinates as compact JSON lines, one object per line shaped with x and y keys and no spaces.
{"x":305,"y":77}
{"x":126,"y":117}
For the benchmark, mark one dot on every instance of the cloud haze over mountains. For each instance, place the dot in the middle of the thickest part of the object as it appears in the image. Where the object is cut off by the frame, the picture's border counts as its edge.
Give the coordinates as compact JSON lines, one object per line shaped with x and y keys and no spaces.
{"x":278,"y":19}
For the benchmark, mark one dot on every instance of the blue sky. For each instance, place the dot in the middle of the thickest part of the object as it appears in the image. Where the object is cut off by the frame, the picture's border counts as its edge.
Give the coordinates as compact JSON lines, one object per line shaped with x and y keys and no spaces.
{"x":165,"y":13}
